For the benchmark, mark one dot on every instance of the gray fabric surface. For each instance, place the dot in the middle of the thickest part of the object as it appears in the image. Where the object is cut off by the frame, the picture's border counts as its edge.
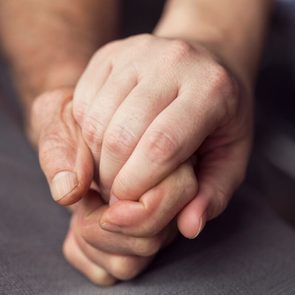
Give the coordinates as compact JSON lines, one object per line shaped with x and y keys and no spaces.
{"x":246,"y":251}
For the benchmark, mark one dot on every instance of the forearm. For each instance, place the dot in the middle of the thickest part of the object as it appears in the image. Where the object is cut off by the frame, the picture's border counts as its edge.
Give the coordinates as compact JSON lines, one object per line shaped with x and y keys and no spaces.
{"x":235,"y":29}
{"x":49,"y":43}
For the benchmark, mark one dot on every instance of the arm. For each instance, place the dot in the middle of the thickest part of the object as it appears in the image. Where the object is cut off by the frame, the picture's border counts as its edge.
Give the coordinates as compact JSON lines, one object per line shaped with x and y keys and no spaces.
{"x":49,"y":43}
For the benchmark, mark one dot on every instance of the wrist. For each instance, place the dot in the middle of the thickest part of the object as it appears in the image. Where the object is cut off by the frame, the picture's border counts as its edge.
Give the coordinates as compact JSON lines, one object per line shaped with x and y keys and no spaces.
{"x":181,"y":21}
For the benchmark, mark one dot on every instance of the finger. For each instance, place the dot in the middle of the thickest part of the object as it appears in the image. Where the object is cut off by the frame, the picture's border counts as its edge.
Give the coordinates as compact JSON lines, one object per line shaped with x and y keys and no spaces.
{"x":64,"y":157}
{"x":119,"y":266}
{"x":128,"y":124}
{"x":219,"y":173}
{"x":87,"y":225}
{"x":156,"y":208}
{"x":81,"y":262}
{"x":103,"y":106}
{"x":170,"y":140}
{"x":92,"y":80}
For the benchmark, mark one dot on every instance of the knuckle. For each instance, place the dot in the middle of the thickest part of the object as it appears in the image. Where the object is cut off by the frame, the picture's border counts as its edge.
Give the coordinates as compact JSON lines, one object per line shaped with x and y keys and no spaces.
{"x":92,"y":130}
{"x":103,"y":52}
{"x":224,"y":85}
{"x":124,"y":267}
{"x":161,"y":146}
{"x":179,"y":50}
{"x":219,"y":75}
{"x":119,"y":140}
{"x":220,"y":79}
{"x":147,"y":247}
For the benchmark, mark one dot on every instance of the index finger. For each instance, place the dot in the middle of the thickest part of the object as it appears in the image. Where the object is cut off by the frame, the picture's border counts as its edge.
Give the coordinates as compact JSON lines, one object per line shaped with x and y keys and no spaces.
{"x":156,"y":208}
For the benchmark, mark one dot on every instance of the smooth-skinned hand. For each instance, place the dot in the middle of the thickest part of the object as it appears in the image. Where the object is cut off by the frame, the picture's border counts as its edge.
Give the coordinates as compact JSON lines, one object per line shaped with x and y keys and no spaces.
{"x":146,"y":105}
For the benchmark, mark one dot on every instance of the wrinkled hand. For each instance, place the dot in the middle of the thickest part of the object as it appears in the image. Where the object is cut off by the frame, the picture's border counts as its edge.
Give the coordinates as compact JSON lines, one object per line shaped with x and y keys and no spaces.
{"x":147,"y":104}
{"x":64,"y":157}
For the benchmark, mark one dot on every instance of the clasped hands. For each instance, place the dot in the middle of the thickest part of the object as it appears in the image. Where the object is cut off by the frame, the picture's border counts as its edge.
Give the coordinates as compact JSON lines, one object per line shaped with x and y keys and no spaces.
{"x":161,"y":130}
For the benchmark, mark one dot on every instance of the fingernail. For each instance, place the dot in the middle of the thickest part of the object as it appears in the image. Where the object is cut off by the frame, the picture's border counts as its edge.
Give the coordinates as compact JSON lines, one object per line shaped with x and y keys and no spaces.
{"x":200,"y":228}
{"x":107,"y":224}
{"x":113,"y":200}
{"x":62,"y":184}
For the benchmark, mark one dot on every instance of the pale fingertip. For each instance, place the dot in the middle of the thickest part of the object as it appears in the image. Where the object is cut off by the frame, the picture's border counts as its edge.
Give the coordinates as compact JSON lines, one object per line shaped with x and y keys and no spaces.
{"x":199,"y":228}
{"x":191,"y":226}
{"x":100,"y":277}
{"x":193,"y":217}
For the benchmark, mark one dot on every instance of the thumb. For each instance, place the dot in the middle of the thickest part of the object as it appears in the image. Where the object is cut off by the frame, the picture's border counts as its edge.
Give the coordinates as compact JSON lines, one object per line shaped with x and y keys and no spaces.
{"x":64,"y":157}
{"x":220,"y":173}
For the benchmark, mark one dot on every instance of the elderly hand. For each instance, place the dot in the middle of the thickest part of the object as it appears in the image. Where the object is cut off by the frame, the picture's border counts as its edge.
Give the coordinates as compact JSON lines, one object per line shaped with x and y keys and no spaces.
{"x":102,"y":256}
{"x":64,"y":157}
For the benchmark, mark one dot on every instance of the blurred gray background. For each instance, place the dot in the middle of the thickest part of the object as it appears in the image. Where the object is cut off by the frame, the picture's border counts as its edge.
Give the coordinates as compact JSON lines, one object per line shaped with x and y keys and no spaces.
{"x":272,"y":167}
